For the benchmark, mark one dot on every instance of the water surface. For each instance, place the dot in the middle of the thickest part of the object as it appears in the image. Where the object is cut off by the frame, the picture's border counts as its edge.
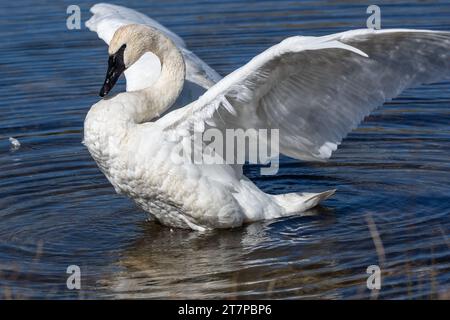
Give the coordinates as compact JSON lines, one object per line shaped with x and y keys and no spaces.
{"x":57,"y":209}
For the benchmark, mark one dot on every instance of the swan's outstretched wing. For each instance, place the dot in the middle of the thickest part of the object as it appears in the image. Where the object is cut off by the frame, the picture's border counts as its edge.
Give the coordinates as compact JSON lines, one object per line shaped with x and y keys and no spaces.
{"x":317,"y":89}
{"x":107,"y":18}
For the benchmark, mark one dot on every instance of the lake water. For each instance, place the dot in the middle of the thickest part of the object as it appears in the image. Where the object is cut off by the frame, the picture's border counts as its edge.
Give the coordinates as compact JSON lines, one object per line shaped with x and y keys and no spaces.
{"x":57,"y":209}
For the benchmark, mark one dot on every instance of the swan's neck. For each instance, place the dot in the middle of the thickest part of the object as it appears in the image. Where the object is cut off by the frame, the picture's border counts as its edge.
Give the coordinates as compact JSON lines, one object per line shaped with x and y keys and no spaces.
{"x":156,"y":96}
{"x":161,"y":95}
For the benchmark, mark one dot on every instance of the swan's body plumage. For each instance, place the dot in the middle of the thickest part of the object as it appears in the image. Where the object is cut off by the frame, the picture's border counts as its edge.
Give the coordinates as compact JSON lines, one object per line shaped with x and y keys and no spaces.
{"x":313,"y":89}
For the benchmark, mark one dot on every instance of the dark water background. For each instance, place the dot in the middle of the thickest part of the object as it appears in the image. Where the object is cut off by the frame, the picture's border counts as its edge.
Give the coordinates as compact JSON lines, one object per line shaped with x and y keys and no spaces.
{"x":57,"y":209}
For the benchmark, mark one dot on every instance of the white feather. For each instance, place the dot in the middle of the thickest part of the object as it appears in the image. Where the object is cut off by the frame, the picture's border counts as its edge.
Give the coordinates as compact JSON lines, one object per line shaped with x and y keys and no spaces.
{"x":314,"y":90}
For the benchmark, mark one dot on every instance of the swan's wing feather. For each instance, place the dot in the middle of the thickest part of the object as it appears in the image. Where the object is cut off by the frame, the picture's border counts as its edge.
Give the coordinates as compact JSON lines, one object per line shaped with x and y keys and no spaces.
{"x":317,"y":89}
{"x":107,"y":18}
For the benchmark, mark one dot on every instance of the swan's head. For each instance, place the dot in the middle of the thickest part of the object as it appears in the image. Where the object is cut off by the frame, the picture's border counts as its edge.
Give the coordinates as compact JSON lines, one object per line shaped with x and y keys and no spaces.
{"x":128,"y":44}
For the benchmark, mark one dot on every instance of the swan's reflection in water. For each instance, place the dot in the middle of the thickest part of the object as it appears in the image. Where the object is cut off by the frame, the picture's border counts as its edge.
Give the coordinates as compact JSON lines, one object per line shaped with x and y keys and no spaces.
{"x":262,"y":260}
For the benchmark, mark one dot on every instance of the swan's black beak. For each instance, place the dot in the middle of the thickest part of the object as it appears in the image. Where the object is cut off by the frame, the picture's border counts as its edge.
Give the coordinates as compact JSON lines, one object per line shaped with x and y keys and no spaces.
{"x":116,"y":67}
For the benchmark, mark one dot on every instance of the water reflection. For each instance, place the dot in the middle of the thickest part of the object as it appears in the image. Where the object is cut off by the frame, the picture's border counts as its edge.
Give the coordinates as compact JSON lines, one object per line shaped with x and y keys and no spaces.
{"x":248,"y":262}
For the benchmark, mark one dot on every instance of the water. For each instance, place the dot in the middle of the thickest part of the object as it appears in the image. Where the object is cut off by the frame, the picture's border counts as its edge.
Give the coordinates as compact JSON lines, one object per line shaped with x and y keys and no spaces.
{"x":57,"y":209}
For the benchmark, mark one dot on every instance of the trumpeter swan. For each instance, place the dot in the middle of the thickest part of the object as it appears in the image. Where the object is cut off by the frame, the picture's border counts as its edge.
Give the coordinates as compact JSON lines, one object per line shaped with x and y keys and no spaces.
{"x":314,"y":90}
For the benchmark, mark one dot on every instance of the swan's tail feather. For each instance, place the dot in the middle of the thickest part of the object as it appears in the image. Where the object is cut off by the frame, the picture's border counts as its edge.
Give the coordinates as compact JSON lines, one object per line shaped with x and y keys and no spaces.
{"x":302,"y":201}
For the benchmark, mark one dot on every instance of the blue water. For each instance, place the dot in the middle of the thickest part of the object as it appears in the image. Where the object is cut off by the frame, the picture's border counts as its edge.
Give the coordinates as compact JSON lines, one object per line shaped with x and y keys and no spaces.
{"x":57,"y":209}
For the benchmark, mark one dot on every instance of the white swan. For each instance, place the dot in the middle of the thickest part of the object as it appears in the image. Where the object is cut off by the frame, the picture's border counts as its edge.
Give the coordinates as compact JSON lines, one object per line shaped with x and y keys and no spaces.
{"x":313,"y":89}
